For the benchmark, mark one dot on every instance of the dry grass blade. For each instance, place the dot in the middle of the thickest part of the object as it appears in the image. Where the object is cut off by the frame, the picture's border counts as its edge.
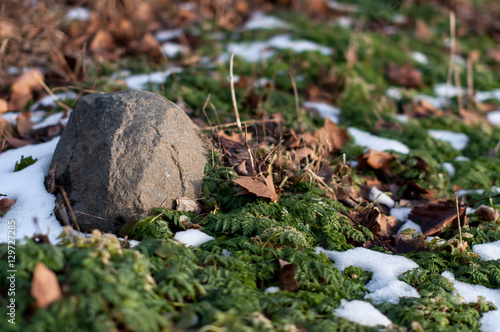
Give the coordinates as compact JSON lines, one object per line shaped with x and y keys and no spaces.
{"x":233,"y":94}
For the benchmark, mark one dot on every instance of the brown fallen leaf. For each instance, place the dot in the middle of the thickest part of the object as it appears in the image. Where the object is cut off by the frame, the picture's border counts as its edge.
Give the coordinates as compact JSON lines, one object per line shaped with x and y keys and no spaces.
{"x":422,"y":31}
{"x":6,"y":204}
{"x":433,"y":217}
{"x":16,"y":142}
{"x":424,"y":109}
{"x":187,"y":204}
{"x":3,"y":105}
{"x":45,"y":288}
{"x":332,"y":137}
{"x":410,"y":243}
{"x":24,"y":124}
{"x":286,"y":276}
{"x":382,"y":225}
{"x":379,"y":160}
{"x":404,"y":75}
{"x":259,"y":186}
{"x":22,"y":89}
{"x":494,"y":54}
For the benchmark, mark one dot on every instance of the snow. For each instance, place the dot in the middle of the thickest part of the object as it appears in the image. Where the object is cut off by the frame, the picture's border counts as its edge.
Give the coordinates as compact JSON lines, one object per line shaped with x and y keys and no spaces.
{"x":412,"y":225}
{"x":258,"y":50}
{"x":362,"y":312}
{"x":325,"y":110}
{"x":173,"y":49}
{"x":78,"y":14}
{"x":419,"y":57}
{"x":225,"y":253}
{"x":477,"y":191}
{"x":470,"y":294}
{"x":461,"y":158}
{"x":377,"y":195}
{"x":192,"y":237}
{"x":51,"y":120}
{"x":394,"y":93}
{"x":494,"y":118}
{"x":370,"y":141}
{"x":260,"y":21}
{"x":457,"y":140}
{"x":488,"y":251}
{"x":342,"y":7}
{"x":272,"y":289}
{"x":344,"y":21}
{"x":437,"y":102}
{"x":401,"y":213}
{"x":384,"y":285}
{"x":51,"y":101}
{"x":27,"y":187}
{"x":449,"y":168}
{"x":140,"y":81}
{"x":164,"y":35}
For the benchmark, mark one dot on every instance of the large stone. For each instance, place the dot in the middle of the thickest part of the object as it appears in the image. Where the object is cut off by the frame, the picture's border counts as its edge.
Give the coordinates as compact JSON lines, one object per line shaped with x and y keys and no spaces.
{"x":123,"y":154}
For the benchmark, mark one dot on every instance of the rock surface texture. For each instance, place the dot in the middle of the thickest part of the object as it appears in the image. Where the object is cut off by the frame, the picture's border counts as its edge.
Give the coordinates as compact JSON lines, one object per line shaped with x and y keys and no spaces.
{"x":123,"y":154}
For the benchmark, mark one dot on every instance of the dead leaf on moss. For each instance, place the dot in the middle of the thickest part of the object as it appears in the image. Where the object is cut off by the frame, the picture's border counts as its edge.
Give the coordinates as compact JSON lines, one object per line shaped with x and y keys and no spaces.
{"x":286,"y":276}
{"x":332,"y":137}
{"x":259,"y":186}
{"x":422,"y":31}
{"x":410,"y":243}
{"x":382,"y":225}
{"x":404,"y":75}
{"x":494,"y":54}
{"x":434,"y":216}
{"x":45,"y":288}
{"x":3,"y":105}
{"x":6,"y":204}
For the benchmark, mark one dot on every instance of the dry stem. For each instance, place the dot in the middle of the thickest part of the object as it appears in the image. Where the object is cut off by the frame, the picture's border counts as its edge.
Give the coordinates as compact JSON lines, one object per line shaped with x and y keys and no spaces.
{"x":233,"y":94}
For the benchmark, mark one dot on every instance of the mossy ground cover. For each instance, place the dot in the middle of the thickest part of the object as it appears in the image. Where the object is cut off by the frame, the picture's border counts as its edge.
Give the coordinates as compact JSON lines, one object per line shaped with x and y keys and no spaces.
{"x":163,"y":285}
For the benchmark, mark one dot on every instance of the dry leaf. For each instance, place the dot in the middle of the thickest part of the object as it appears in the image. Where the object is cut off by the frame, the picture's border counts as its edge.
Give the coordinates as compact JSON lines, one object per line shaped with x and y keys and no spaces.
{"x":6,"y":204}
{"x":487,"y":213}
{"x":45,"y":288}
{"x":494,"y":54}
{"x":382,"y":225}
{"x":187,"y":204}
{"x":332,"y":137}
{"x":432,"y":217}
{"x":261,"y":187}
{"x":286,"y":276}
{"x":3,"y":105}
{"x":422,"y":31}
{"x":24,"y":124}
{"x":22,"y":89}
{"x":404,"y":75}
{"x":16,"y":142}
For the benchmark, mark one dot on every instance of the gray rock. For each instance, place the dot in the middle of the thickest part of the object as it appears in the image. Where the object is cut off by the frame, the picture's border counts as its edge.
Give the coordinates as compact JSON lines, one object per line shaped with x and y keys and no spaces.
{"x":123,"y":154}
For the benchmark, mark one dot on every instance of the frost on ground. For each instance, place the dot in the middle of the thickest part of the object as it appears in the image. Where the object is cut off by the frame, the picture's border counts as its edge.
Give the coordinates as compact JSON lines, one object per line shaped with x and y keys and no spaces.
{"x":192,"y":237}
{"x":362,"y":138}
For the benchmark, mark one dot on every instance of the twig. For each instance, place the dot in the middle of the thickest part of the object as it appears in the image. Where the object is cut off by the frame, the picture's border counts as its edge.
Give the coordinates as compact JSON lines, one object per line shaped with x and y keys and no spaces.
{"x":452,"y":50}
{"x":470,"y":76}
{"x":66,"y":107}
{"x":296,"y":97}
{"x":249,"y":122}
{"x":458,"y":88}
{"x":459,"y":226}
{"x":233,"y":94}
{"x":68,"y":204}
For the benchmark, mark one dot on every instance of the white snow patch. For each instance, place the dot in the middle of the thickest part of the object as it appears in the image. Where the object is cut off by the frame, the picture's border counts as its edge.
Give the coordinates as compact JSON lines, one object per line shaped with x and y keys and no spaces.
{"x":384,"y":285}
{"x":272,"y":289}
{"x":437,"y":102}
{"x":325,"y":110}
{"x":448,"y":91}
{"x":344,"y":21}
{"x":449,"y":168}
{"x":78,"y":14}
{"x":403,"y":118}
{"x":164,"y":35}
{"x":488,"y":251}
{"x":260,"y":21}
{"x":380,"y":197}
{"x":477,"y":191}
{"x":51,"y":120}
{"x":27,"y":187}
{"x":51,"y":101}
{"x":370,"y":141}
{"x":410,"y":224}
{"x":494,"y":118}
{"x":457,"y":140}
{"x":394,"y":93}
{"x":256,"y":51}
{"x":419,"y":57}
{"x":461,"y":158}
{"x":341,"y":6}
{"x":401,"y":213}
{"x":192,"y":237}
{"x":361,"y":312}
{"x":173,"y":49}
{"x":470,"y":294}
{"x":225,"y":253}
{"x":159,"y":77}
